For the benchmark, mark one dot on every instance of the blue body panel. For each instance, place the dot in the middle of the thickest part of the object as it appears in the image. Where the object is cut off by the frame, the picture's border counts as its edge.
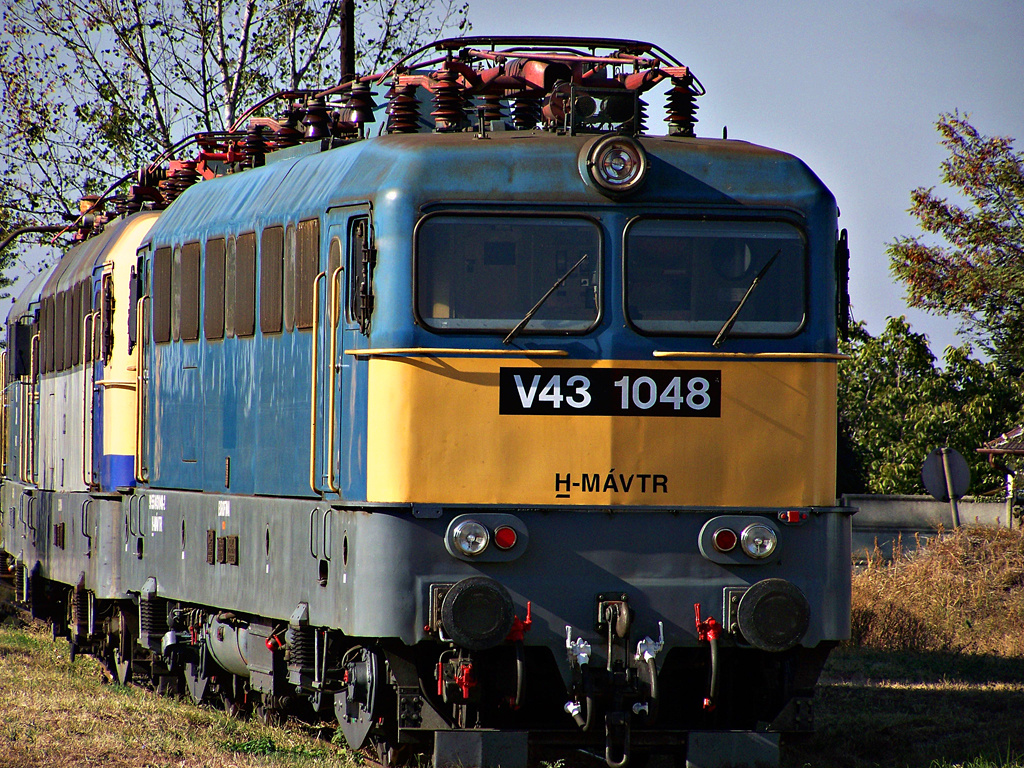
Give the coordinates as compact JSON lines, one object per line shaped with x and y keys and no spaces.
{"x":253,"y":408}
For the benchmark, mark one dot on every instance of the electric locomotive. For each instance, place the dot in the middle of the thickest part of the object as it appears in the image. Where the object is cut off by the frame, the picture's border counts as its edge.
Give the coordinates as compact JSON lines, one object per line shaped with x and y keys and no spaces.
{"x":481,"y":419}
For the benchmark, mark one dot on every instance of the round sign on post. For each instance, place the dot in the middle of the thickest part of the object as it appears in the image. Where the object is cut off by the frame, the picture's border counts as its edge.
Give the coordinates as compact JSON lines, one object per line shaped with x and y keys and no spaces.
{"x":946,"y":477}
{"x":934,"y":474}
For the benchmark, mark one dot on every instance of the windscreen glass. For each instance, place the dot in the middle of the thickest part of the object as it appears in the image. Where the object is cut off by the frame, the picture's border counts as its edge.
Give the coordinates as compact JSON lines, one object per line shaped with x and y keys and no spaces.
{"x":485,"y":273}
{"x":688,"y":277}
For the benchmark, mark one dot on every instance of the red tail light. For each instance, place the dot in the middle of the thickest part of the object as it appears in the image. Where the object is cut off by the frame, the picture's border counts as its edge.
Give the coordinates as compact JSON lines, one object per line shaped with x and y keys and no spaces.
{"x":724,"y":540}
{"x":505,"y":537}
{"x":793,"y":516}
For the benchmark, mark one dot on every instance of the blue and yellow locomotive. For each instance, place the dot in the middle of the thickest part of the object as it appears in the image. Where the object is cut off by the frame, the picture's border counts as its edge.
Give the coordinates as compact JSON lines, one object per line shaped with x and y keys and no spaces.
{"x":501,"y":427}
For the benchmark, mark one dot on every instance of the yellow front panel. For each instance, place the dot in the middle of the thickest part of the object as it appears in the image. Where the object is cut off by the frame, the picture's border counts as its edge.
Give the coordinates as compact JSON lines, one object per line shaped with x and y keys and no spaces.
{"x":436,"y":436}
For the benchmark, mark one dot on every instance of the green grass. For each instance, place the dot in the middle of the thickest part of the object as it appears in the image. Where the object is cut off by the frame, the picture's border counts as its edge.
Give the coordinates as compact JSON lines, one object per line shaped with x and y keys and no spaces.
{"x":57,"y":713}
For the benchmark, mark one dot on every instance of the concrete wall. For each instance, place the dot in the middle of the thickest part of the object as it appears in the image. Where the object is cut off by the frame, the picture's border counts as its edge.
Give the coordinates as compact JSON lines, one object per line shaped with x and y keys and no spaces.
{"x":884,"y":519}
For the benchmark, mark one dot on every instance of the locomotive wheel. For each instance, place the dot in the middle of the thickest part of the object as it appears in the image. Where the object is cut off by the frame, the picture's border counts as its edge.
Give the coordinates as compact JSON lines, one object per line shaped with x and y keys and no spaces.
{"x":390,"y":755}
{"x":120,"y":667}
{"x":355,"y":705}
{"x":271,"y":710}
{"x":197,"y":684}
{"x":119,"y":660}
{"x":233,"y":696}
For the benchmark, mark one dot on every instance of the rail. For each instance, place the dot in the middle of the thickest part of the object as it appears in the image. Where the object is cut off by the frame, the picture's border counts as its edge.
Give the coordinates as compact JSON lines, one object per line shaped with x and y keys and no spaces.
{"x":314,"y":383}
{"x":3,"y":413}
{"x":88,"y":406}
{"x":331,"y":396}
{"x":454,"y":351}
{"x":768,"y":356}
{"x":141,"y":472}
{"x":33,"y":400}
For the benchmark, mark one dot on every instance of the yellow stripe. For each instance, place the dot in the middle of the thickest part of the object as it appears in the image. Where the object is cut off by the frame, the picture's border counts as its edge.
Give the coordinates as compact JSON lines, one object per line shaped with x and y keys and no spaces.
{"x":749,"y":356}
{"x":436,"y":437}
{"x":450,"y":351}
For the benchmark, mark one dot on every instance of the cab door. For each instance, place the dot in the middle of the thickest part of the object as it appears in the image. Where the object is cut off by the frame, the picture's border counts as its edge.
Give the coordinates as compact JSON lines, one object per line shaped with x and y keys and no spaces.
{"x":337,"y":454}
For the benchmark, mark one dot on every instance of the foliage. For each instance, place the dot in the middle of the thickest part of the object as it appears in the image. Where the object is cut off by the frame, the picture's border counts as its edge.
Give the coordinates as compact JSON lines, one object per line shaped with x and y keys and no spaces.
{"x":7,"y":255}
{"x":93,"y":89}
{"x":978,"y":273}
{"x":896,"y":407}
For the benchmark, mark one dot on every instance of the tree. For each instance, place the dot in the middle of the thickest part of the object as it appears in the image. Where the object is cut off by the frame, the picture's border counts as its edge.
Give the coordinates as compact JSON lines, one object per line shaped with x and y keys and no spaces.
{"x":93,"y":89}
{"x":977,"y":273}
{"x":896,"y":406}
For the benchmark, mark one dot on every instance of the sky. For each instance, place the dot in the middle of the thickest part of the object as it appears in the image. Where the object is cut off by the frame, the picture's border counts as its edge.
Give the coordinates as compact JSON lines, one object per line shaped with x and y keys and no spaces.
{"x":852,"y":88}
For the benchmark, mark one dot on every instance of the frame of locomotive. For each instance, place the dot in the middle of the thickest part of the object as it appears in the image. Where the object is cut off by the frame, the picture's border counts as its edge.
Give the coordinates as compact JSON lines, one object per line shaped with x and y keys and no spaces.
{"x":487,"y":433}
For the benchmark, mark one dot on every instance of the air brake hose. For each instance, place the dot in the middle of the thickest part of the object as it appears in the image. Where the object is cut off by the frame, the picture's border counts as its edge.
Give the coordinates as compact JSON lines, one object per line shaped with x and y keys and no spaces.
{"x":709,"y":702}
{"x":520,"y":673}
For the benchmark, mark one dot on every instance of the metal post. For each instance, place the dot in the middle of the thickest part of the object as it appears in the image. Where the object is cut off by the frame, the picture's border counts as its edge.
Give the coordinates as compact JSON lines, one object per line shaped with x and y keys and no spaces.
{"x":949,"y":488}
{"x":1011,"y":496}
{"x":347,"y":23}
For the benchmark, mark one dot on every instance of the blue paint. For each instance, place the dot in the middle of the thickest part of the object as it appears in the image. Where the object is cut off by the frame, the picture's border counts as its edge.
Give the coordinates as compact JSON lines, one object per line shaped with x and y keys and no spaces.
{"x":117,"y":471}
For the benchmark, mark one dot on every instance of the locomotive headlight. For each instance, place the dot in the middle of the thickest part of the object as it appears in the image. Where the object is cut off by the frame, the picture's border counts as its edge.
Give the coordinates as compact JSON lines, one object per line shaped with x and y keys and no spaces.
{"x":471,"y":537}
{"x":758,"y":541}
{"x":617,"y":164}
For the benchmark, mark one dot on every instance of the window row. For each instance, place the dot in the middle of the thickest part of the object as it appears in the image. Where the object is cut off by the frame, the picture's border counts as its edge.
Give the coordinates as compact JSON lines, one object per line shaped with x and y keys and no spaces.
{"x":681,"y":276}
{"x":70,"y":332}
{"x":287,"y":260}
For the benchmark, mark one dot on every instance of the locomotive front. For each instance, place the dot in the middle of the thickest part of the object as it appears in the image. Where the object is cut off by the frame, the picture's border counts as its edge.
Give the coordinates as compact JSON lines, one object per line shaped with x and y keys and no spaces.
{"x":612,"y":412}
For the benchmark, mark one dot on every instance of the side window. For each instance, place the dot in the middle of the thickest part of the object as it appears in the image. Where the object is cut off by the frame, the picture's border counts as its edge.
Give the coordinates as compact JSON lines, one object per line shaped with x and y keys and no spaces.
{"x":47,"y":323}
{"x":190,"y":291}
{"x":213,"y":310}
{"x":59,"y":322}
{"x":87,"y":327}
{"x":76,"y":323}
{"x":245,"y":285}
{"x":271,"y":274}
{"x":229,"y":287}
{"x":361,"y":258}
{"x":176,"y":293}
{"x":307,"y":266}
{"x":288,"y":279}
{"x":161,"y":293}
{"x":333,"y":262}
{"x":106,"y":332}
{"x":133,"y":307}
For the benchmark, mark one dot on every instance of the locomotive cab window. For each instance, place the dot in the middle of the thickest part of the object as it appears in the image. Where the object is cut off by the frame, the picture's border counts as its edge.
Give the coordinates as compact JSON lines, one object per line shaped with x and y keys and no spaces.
{"x":485,"y":273}
{"x":688,"y":276}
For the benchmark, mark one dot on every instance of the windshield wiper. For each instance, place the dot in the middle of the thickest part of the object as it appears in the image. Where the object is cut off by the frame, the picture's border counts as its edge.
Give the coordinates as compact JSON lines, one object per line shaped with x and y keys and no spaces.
{"x":529,"y":315}
{"x":732,"y":318}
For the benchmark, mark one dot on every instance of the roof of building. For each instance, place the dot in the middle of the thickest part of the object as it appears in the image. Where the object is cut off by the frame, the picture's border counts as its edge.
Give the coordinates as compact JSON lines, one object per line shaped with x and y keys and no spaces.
{"x":1011,"y":443}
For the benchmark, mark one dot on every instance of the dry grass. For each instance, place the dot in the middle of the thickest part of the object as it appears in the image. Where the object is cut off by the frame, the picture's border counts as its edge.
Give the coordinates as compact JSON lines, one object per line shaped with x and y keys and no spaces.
{"x":934,"y":674}
{"x":960,"y":592}
{"x":57,"y":713}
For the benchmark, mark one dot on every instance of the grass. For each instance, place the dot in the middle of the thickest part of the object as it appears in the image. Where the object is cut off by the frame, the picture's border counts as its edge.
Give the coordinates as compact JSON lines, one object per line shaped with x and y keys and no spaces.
{"x":57,"y":713}
{"x":934,"y":674}
{"x":933,"y":678}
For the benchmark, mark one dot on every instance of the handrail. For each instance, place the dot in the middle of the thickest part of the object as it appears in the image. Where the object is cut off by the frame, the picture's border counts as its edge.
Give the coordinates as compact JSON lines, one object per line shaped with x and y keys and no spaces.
{"x":30,"y":473}
{"x":3,"y":413}
{"x":140,"y":372}
{"x":85,"y":525}
{"x":450,"y":351}
{"x":752,"y":355}
{"x":331,"y":398}
{"x":314,"y":384}
{"x":23,"y":394}
{"x":88,"y":409}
